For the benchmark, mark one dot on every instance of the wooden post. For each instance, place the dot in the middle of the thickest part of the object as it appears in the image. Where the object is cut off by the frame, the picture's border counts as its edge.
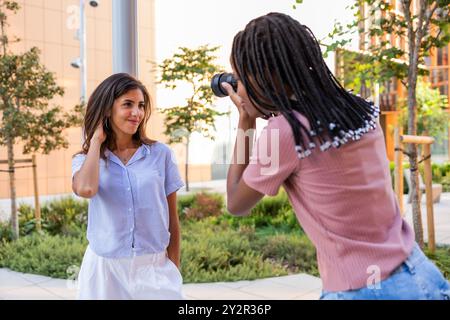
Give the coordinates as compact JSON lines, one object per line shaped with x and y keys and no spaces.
{"x":416,"y":139}
{"x":429,"y":194}
{"x":37,"y":208}
{"x":427,"y":142}
{"x":398,"y":171}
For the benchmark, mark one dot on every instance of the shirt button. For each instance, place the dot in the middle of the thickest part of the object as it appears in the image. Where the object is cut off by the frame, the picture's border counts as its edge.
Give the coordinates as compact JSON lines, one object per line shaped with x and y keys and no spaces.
{"x":131,"y":230}
{"x":129,"y":189}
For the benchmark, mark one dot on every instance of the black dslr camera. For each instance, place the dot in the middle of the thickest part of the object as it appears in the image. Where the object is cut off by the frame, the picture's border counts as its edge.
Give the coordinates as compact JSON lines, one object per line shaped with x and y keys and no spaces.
{"x":218,"y":79}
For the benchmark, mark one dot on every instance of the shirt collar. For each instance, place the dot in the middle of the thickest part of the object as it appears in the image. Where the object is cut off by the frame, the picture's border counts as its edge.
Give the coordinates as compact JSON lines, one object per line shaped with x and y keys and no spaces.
{"x":141,"y":152}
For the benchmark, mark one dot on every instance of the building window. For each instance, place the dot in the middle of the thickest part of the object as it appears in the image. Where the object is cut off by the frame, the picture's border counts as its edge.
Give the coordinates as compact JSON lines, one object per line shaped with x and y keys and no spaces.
{"x":442,"y":56}
{"x":388,"y":98}
{"x":399,"y":7}
{"x":439,"y":78}
{"x":439,"y":149}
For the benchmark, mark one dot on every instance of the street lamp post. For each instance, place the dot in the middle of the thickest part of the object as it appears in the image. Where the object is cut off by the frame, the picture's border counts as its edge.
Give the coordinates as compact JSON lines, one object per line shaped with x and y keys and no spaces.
{"x":125,"y":37}
{"x":125,"y":40}
{"x":81,"y":61}
{"x":83,"y":55}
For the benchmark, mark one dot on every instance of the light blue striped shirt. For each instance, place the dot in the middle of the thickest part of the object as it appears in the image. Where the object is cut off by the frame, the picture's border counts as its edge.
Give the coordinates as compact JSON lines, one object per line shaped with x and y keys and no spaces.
{"x":129,"y":214}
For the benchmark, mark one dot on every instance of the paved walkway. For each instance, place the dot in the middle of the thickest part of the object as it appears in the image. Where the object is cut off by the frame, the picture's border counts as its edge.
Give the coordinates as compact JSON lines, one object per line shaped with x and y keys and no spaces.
{"x":441,"y":218}
{"x":15,"y":285}
{"x":20,"y":286}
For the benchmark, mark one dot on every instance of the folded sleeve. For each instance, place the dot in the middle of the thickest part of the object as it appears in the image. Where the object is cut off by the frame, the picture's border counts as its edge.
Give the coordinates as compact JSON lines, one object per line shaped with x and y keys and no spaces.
{"x":172,"y":181}
{"x":77,"y":162}
{"x":273,"y":158}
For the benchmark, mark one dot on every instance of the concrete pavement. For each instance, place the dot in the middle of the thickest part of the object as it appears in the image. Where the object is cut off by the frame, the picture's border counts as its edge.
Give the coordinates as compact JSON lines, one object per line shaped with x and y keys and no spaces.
{"x":20,"y":286}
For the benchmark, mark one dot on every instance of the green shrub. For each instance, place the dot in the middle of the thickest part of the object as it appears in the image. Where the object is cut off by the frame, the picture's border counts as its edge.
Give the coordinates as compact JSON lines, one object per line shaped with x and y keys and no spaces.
{"x":204,"y":205}
{"x":441,"y":174}
{"x":294,"y":250}
{"x":43,"y":254}
{"x":269,"y":212}
{"x":441,"y":258}
{"x":215,"y":247}
{"x":6,"y":234}
{"x":184,"y":202}
{"x":210,"y":252}
{"x":66,"y":216}
{"x":213,"y":252}
{"x":445,"y":181}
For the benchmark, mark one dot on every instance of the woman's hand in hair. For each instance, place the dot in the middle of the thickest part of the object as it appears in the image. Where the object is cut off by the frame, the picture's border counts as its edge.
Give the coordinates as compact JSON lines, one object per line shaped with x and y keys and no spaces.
{"x":99,"y":135}
{"x":238,"y":102}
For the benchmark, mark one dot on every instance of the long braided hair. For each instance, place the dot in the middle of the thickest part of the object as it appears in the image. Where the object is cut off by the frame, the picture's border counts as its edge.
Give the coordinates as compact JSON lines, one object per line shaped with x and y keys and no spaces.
{"x":280,"y":64}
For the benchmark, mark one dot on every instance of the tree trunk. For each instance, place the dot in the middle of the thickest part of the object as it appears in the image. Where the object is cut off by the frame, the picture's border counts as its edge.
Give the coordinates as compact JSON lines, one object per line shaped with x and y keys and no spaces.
{"x":186,"y":165}
{"x":415,"y":37}
{"x":414,"y":167}
{"x":10,"y":147}
{"x":12,"y":188}
{"x":416,"y":209}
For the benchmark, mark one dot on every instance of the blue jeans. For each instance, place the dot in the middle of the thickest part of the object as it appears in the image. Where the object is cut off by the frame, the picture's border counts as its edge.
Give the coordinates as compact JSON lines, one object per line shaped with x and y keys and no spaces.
{"x":417,"y":278}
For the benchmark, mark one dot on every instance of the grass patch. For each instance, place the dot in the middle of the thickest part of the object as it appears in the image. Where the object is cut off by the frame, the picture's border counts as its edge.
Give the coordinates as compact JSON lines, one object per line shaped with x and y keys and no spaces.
{"x":441,"y":258}
{"x":43,"y":254}
{"x":213,"y":252}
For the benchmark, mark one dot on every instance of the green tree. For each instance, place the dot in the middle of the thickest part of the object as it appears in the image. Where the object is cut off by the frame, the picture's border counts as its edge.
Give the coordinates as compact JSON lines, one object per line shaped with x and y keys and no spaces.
{"x":26,"y":87}
{"x":194,"y":67}
{"x":297,"y":2}
{"x":432,"y":119}
{"x":421,"y":30}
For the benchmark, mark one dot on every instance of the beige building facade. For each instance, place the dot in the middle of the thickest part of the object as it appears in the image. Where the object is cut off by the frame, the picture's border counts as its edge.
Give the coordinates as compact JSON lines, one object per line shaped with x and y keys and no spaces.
{"x":51,"y":25}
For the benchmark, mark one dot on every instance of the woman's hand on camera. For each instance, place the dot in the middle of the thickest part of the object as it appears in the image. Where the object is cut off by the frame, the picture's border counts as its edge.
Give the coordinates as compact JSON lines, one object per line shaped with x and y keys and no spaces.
{"x":237,"y":100}
{"x":99,"y":134}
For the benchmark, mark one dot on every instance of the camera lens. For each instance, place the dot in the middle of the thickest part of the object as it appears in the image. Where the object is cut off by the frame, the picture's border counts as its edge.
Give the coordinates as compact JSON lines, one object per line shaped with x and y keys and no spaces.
{"x":218,"y":79}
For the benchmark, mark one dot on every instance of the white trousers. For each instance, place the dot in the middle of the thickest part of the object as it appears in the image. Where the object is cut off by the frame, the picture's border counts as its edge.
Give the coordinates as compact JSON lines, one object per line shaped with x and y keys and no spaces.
{"x":150,"y":276}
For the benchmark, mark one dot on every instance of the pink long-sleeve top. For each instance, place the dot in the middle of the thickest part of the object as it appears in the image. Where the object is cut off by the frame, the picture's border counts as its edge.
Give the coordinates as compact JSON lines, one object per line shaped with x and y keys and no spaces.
{"x":343,"y":199}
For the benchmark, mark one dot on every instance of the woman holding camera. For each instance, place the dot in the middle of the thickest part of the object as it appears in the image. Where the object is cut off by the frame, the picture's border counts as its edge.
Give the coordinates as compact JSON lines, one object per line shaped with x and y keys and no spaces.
{"x":327,"y":150}
{"x":131,"y":183}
